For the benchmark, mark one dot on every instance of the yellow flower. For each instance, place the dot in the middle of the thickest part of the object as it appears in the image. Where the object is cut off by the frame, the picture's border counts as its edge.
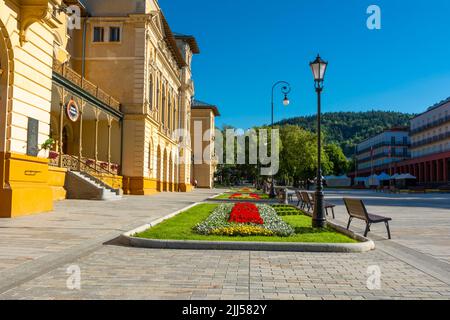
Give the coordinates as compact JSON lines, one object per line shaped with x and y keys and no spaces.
{"x":242,"y":230}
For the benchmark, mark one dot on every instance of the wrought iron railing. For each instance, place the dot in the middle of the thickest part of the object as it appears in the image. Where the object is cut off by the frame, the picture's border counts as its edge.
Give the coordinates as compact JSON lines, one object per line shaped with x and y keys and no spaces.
{"x":86,"y":85}
{"x":84,"y":165}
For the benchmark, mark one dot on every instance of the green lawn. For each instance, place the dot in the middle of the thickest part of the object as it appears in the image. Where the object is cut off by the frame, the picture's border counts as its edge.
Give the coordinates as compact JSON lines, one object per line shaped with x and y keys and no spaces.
{"x":180,"y":228}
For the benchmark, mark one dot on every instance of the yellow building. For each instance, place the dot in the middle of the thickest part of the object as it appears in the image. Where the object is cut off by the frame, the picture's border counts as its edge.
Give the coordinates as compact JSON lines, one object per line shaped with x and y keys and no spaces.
{"x":102,"y":102}
{"x":128,"y":48}
{"x":203,"y":130}
{"x":32,"y":36}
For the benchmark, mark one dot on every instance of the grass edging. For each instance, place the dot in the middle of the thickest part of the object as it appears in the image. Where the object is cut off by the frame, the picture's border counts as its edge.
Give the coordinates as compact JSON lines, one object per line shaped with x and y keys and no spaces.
{"x":127,"y":238}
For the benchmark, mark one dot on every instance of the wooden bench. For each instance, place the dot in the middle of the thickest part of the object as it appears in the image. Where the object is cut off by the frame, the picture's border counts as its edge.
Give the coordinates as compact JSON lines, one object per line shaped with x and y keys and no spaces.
{"x":357,"y":209}
{"x":308,"y":201}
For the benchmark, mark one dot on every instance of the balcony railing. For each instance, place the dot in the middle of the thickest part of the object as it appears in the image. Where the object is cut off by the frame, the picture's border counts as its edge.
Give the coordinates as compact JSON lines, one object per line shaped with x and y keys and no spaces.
{"x":431,"y":140}
{"x":377,"y":156}
{"x":84,"y":165}
{"x":383,"y":144}
{"x":86,"y":85}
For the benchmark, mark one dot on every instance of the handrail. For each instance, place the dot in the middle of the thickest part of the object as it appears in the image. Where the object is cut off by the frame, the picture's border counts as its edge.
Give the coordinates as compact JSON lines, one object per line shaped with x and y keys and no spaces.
{"x":96,"y":169}
{"x":75,"y":163}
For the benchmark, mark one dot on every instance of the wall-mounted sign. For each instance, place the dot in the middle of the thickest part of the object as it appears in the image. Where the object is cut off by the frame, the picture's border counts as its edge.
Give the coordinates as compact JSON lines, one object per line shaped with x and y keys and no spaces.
{"x":72,"y":111}
{"x":32,"y":137}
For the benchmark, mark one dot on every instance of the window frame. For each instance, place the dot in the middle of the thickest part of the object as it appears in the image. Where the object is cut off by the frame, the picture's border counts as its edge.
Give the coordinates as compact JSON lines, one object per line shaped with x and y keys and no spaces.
{"x":94,"y":28}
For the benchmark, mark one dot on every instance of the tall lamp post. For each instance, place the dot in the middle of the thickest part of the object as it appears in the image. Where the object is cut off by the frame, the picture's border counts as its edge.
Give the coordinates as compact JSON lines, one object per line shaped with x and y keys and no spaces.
{"x":318,"y":68}
{"x":285,"y":89}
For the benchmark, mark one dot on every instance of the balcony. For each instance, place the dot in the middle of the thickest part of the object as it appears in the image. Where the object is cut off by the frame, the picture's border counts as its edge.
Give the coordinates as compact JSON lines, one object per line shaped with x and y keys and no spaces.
{"x":383,"y":144}
{"x":431,"y":140}
{"x":72,"y":76}
{"x":431,"y":125}
{"x":394,"y":155}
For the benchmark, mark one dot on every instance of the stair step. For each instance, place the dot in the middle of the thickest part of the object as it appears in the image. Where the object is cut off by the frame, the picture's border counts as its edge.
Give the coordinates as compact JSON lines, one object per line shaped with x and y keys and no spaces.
{"x":104,"y":192}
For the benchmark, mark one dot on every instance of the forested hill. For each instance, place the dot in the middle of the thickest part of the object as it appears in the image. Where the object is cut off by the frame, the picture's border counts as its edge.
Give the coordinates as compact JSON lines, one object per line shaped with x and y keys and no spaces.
{"x":350,"y":128}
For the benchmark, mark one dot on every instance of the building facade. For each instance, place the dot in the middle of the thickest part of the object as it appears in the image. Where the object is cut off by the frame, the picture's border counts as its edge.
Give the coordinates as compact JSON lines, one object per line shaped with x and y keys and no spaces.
{"x":382,"y":150}
{"x":110,"y":98}
{"x":128,"y":48}
{"x":429,"y":150}
{"x":32,"y":37}
{"x":430,"y":146}
{"x":203,"y":139}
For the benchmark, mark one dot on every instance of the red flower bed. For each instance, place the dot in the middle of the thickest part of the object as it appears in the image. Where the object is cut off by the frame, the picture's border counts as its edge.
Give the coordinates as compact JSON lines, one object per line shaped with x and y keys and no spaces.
{"x":245,"y":213}
{"x":241,"y":196}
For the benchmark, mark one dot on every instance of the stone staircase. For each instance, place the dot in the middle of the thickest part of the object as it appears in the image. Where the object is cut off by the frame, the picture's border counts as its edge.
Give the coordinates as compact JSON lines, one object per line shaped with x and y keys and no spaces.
{"x":81,"y":185}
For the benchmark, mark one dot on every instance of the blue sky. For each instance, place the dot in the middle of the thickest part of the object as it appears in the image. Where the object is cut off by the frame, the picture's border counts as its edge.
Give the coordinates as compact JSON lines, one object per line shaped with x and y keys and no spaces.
{"x":247,"y":45}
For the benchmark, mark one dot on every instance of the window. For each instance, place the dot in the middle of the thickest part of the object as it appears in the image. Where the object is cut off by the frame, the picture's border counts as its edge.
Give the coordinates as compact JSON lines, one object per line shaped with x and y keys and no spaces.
{"x":114,"y":34}
{"x":99,"y":34}
{"x":150,"y":92}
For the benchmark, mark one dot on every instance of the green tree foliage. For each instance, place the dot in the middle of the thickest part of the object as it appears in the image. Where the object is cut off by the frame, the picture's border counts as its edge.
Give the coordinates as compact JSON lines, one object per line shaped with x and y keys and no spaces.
{"x":338,"y":160}
{"x":298,"y":155}
{"x":349,"y":128}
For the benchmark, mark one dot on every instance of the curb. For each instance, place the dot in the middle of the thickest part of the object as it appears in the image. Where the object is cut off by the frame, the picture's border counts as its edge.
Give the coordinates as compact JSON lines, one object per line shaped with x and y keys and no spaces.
{"x":128,"y":239}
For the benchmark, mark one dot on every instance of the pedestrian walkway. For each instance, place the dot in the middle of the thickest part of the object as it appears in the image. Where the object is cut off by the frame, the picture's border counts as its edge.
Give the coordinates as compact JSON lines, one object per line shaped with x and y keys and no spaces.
{"x":77,"y":234}
{"x":31,"y":245}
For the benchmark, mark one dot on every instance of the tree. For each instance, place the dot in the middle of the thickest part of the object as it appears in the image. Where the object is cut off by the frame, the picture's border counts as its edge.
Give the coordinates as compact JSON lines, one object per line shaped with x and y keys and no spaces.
{"x":298,"y":155}
{"x":338,"y":161}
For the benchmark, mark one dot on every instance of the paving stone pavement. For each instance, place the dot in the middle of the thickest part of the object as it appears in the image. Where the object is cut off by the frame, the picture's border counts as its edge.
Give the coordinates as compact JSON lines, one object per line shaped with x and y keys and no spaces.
{"x":32,"y":245}
{"x":419,"y":221}
{"x":115,"y":272}
{"x":42,"y":247}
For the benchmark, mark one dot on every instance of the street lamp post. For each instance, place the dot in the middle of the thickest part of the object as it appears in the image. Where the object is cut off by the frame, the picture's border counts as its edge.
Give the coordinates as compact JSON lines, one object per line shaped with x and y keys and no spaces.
{"x":285,"y":89}
{"x":318,"y":68}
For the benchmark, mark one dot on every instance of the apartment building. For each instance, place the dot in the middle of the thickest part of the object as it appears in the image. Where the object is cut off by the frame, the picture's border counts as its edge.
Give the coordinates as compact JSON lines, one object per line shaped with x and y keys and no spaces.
{"x":430,"y":146}
{"x":380,"y":151}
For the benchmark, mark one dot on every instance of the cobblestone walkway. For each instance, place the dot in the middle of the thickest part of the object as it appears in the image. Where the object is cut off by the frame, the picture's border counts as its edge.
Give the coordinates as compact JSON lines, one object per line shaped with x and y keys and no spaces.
{"x":115,"y":272}
{"x":36,"y":251}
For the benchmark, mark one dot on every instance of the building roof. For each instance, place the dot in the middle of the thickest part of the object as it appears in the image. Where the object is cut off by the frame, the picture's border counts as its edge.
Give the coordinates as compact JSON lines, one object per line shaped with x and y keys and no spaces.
{"x":197,"y":104}
{"x":190,"y":40}
{"x":172,"y":43}
{"x":393,"y":129}
{"x":435,"y":106}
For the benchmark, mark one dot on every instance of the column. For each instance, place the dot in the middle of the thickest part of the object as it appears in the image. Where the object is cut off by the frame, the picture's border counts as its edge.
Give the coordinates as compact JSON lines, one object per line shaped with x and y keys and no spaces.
{"x":61,"y":124}
{"x":445,"y":170}
{"x":420,"y":172}
{"x":438,"y":171}
{"x":427,"y":172}
{"x":80,"y":146}
{"x":96,"y":139}
{"x":109,"y":143}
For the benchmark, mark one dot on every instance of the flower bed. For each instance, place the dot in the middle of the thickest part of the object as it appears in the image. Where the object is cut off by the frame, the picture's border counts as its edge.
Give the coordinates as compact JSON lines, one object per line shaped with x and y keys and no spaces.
{"x":243,"y":196}
{"x":244,"y":219}
{"x":245,"y":213}
{"x":240,"y":196}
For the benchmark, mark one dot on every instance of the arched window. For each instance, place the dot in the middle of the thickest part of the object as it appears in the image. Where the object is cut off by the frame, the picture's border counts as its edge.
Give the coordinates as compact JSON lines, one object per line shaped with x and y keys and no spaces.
{"x":150,"y":157}
{"x":169,"y":114}
{"x":158,"y":92}
{"x":150,"y":92}
{"x":163,"y":109}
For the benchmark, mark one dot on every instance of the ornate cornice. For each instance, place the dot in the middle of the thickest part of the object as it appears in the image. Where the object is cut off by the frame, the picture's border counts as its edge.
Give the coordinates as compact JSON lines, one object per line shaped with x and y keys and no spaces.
{"x":31,"y":11}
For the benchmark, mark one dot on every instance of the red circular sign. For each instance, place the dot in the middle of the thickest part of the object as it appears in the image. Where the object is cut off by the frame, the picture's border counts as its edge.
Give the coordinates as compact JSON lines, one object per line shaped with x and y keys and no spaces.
{"x":72,"y":111}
